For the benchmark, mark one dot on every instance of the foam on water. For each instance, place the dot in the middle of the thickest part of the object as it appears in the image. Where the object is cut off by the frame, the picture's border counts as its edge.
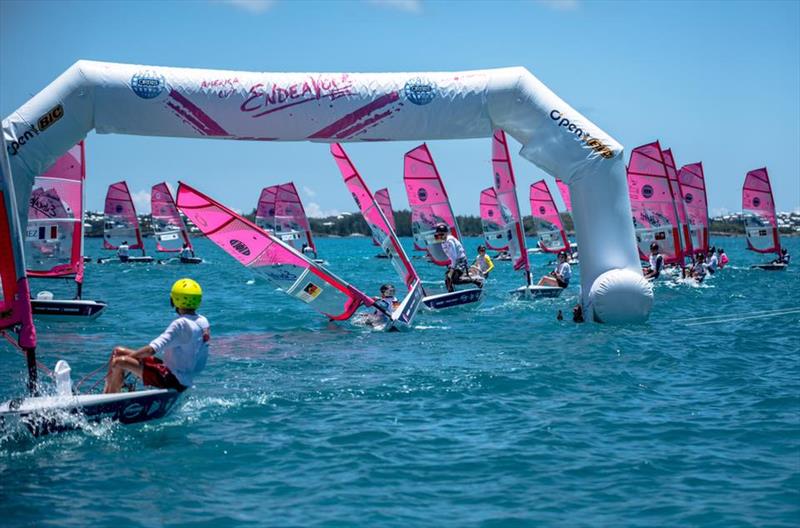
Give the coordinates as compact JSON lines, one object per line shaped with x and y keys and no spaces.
{"x":496,"y":415}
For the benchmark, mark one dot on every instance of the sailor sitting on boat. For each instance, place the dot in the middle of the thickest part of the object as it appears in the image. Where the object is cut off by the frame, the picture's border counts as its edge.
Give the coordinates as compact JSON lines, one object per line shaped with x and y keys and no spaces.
{"x":183,"y":346}
{"x":457,"y":270}
{"x":122,"y":251}
{"x":186,"y":252}
{"x":561,"y":275}
{"x":699,"y":269}
{"x":483,"y":263}
{"x":387,"y":301}
{"x":308,"y":252}
{"x":784,"y":257}
{"x":656,"y":263}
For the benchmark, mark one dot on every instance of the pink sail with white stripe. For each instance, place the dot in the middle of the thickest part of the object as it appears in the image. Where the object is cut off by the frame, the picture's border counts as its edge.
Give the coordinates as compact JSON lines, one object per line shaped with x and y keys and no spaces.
{"x":654,"y":214}
{"x":549,"y":229}
{"x":54,"y":236}
{"x":291,"y":223}
{"x":429,"y":203}
{"x":506,"y":188}
{"x":168,"y":226}
{"x":693,"y":190}
{"x":120,"y":223}
{"x":758,"y":206}
{"x":563,"y":189}
{"x":265,"y":210}
{"x":680,"y":206}
{"x":491,"y":221}
{"x":270,"y":257}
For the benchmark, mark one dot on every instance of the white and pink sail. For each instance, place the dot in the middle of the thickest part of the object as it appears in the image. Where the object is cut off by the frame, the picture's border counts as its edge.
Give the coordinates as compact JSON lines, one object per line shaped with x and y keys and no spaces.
{"x":549,"y":228}
{"x":677,"y":198}
{"x":265,"y":210}
{"x":653,"y":209}
{"x":54,"y":236}
{"x":491,"y":221}
{"x":270,"y":257}
{"x":429,"y":203}
{"x":382,"y":232}
{"x":120,"y":223}
{"x":168,"y":226}
{"x":563,"y":189}
{"x":693,"y":190}
{"x":384,"y":201}
{"x":291,"y":222}
{"x":760,"y":220}
{"x":506,"y":188}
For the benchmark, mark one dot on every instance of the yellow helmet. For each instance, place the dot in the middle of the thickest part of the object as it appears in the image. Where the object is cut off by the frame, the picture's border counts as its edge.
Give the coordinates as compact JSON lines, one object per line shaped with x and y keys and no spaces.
{"x":186,"y":294}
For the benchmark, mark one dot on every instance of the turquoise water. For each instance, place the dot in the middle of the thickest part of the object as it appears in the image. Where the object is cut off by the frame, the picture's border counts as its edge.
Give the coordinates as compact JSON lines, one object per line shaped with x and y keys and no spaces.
{"x":497,"y":416}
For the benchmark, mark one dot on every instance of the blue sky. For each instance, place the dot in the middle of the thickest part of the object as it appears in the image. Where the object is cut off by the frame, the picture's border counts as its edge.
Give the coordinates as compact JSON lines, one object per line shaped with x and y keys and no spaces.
{"x":719,"y":82}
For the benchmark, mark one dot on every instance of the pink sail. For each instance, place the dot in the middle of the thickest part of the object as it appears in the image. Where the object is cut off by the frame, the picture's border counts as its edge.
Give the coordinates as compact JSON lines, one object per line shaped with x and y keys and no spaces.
{"x":382,"y":230}
{"x":549,"y":229}
{"x":493,"y":232}
{"x":121,"y":223}
{"x":270,"y":257}
{"x":693,"y":190}
{"x":758,"y":206}
{"x":506,"y":188}
{"x":265,"y":211}
{"x":654,"y":215}
{"x":291,"y":223}
{"x":168,"y":226}
{"x":54,"y":236}
{"x":563,"y":188}
{"x":385,"y":203}
{"x":680,"y":206}
{"x":429,"y":203}
{"x":15,"y":299}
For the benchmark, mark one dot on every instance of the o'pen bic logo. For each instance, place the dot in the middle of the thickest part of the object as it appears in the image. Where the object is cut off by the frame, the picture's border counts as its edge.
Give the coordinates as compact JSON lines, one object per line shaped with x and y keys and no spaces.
{"x":147,"y":84}
{"x":756,"y":201}
{"x":422,"y":194}
{"x":647,"y":191}
{"x":419,"y":91}
{"x":240,"y":246}
{"x":688,"y":198}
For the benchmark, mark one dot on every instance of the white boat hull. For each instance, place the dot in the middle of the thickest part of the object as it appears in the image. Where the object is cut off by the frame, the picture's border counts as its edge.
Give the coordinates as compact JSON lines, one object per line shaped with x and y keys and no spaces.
{"x":67,"y":310}
{"x":453,"y":299}
{"x":535,"y":291}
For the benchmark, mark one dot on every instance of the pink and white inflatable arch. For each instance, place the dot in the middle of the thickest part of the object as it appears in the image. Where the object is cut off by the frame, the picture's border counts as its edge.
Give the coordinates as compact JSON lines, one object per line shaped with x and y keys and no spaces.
{"x":326,"y":107}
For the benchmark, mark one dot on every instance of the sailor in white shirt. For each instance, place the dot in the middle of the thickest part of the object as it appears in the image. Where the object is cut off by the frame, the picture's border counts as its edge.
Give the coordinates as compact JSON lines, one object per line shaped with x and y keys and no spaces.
{"x":561,"y":275}
{"x":457,"y":270}
{"x":122,"y":251}
{"x":183,"y":347}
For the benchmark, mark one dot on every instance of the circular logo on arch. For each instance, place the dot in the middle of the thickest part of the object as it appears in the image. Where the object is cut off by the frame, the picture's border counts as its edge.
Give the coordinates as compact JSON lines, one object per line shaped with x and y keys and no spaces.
{"x":756,"y":201}
{"x":148,"y":84}
{"x":420,"y":91}
{"x":647,"y":191}
{"x":422,"y":194}
{"x":688,"y":198}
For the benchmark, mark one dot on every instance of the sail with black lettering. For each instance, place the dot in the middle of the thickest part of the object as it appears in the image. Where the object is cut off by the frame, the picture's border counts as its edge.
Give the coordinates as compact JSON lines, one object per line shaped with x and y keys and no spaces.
{"x":758,"y":206}
{"x":506,"y":188}
{"x":120,"y":223}
{"x":270,"y":257}
{"x":54,"y":236}
{"x":265,"y":210}
{"x":493,"y":232}
{"x":549,"y":229}
{"x":653,"y":210}
{"x":168,"y":226}
{"x":429,"y":203}
{"x":291,"y":222}
{"x":693,"y":189}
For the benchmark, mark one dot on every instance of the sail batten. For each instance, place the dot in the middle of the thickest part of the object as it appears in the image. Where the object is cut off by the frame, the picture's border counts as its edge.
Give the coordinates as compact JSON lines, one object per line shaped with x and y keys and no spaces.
{"x":549,"y":228}
{"x":168,"y":226}
{"x":760,"y":220}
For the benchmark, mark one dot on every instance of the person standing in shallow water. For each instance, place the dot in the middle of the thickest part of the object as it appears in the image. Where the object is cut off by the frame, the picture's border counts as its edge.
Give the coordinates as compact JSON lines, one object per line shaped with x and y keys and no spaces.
{"x":183,"y":347}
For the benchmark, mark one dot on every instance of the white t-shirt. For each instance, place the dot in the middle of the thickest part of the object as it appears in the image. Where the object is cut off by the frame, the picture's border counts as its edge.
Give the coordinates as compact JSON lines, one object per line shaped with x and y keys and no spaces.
{"x":122,"y":250}
{"x":184,"y":346}
{"x":712,"y":262}
{"x":453,"y":249}
{"x":565,"y":270}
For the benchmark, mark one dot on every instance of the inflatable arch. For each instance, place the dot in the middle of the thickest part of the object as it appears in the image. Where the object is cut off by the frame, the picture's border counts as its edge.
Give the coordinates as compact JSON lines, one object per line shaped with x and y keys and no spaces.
{"x":326,"y":107}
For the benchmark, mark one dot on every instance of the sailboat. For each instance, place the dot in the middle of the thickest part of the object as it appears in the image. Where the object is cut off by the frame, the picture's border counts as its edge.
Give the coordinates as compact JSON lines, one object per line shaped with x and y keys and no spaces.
{"x":265,"y":210}
{"x":493,"y":233}
{"x":120,"y":223}
{"x":430,"y":206}
{"x":270,"y":257}
{"x":549,"y":229}
{"x":693,"y":190}
{"x":385,"y":203}
{"x":169,"y":228}
{"x":383,"y":233}
{"x":54,"y":237}
{"x":760,"y":221}
{"x":45,"y":414}
{"x":291,"y":222}
{"x":687,"y":252}
{"x":654,"y":213}
{"x":505,"y":186}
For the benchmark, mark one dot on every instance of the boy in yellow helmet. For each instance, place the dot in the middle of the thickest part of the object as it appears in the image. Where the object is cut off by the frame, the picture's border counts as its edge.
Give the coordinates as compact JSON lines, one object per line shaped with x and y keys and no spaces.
{"x":183,"y":347}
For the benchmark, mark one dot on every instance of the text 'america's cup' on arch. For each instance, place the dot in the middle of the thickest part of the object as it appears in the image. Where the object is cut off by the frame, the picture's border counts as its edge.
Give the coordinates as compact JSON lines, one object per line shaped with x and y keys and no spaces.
{"x":343,"y":107}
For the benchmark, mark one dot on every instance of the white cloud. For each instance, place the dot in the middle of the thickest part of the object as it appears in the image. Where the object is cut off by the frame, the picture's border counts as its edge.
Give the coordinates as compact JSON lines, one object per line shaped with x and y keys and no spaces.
{"x":251,"y":6}
{"x":313,"y":210}
{"x":560,"y":5}
{"x":308,"y":191}
{"x":141,"y":200}
{"x":409,"y":6}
